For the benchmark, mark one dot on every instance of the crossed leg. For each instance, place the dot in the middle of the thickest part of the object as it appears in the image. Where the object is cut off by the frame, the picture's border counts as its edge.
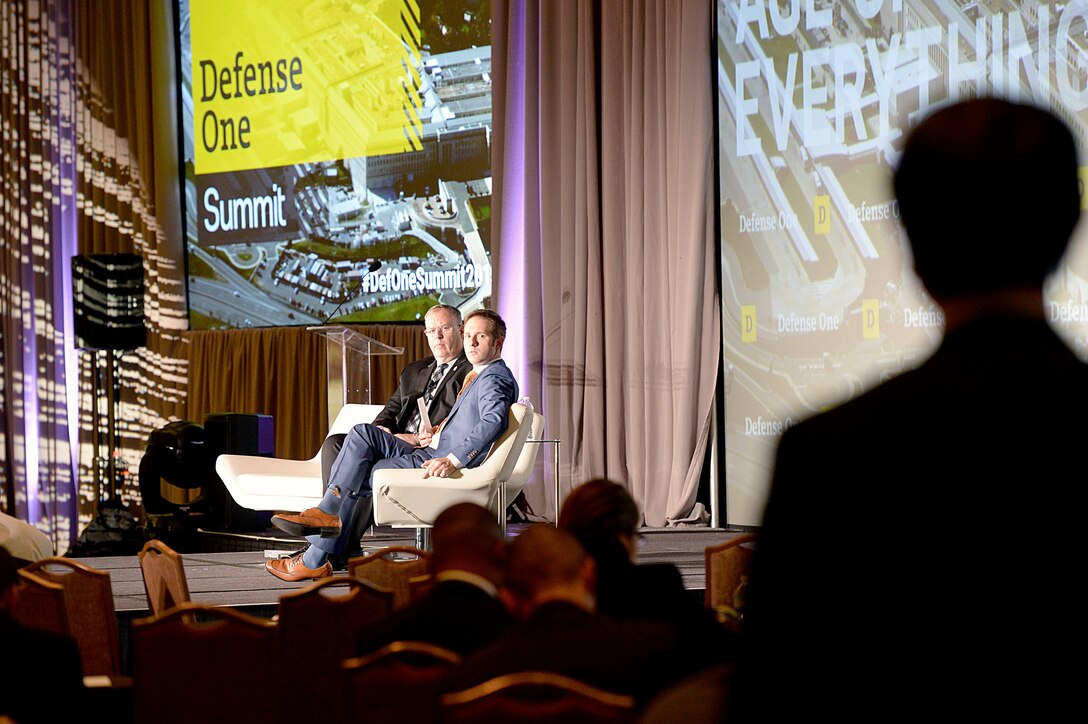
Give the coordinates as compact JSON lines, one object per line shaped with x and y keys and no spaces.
{"x":347,"y":500}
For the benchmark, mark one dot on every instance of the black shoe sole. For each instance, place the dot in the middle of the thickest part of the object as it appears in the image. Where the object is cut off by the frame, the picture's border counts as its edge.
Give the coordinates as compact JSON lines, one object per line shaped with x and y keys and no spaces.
{"x":301,"y":530}
{"x":339,"y":562}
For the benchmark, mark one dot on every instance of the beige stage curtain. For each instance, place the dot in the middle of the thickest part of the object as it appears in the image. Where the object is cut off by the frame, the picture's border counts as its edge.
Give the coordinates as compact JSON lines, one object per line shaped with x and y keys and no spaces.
{"x":603,"y":160}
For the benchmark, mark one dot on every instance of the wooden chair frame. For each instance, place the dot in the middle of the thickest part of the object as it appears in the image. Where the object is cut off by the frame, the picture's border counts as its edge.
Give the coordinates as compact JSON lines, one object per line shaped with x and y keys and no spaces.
{"x":736,"y":554}
{"x":536,"y":696}
{"x":164,"y":577}
{"x":88,"y":603}
{"x":381,"y":569}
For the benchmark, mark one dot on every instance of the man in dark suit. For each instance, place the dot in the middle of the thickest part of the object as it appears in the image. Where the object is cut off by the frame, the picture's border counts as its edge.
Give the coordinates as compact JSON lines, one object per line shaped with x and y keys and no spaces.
{"x":549,"y":586}
{"x":920,"y":544}
{"x":477,"y":419}
{"x":462,"y":611}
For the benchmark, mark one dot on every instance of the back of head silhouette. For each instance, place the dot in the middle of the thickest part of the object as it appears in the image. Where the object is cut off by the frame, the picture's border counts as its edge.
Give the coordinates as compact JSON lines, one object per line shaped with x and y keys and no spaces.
{"x":989,"y":197}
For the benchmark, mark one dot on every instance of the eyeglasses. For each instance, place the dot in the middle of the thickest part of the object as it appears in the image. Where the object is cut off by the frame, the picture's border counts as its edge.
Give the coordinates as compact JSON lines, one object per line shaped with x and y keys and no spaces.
{"x":432,"y":331}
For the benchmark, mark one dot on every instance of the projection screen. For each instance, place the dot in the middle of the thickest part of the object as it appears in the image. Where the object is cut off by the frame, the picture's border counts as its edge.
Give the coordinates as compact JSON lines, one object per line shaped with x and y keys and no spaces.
{"x":336,"y":159}
{"x":814,"y":97}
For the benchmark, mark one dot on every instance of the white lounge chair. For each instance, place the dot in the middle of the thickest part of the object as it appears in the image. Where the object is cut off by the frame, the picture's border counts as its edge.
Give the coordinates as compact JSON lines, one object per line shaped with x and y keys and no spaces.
{"x":404,"y":499}
{"x":261,"y":483}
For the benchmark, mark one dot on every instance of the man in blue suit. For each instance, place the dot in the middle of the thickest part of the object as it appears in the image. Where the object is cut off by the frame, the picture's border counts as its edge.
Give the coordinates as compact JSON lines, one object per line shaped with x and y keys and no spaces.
{"x":478,"y":418}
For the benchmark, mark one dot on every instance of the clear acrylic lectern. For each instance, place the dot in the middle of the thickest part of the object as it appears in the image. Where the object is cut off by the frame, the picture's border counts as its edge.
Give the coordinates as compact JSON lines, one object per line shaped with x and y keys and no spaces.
{"x":349,"y":354}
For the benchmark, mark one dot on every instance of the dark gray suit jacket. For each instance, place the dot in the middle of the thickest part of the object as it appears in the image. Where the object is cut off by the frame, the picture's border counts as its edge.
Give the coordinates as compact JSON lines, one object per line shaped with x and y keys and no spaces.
{"x":413,"y":381}
{"x":454,"y":615}
{"x":628,"y":657}
{"x":920,"y":545}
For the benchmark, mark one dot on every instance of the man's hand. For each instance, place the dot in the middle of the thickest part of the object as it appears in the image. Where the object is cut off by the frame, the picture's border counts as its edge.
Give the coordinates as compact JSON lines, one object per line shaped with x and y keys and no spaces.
{"x":408,"y":437}
{"x":438,"y":468}
{"x":424,"y":437}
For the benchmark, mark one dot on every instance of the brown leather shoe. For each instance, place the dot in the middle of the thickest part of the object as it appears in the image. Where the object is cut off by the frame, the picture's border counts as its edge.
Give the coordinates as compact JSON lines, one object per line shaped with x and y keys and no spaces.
{"x":309,"y":522}
{"x":292,"y":569}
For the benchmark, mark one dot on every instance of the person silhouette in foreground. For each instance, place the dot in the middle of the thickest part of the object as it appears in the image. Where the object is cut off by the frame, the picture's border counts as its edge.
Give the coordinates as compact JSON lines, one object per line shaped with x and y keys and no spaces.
{"x":920,"y":546}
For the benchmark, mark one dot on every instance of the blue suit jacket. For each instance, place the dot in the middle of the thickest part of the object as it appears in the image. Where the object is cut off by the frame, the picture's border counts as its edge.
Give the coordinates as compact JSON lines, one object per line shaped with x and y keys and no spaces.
{"x":479,"y":416}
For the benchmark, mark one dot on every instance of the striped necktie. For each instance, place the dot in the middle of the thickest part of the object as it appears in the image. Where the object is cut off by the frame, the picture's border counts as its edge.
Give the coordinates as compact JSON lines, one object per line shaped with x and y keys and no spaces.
{"x":428,"y":395}
{"x":432,"y":386}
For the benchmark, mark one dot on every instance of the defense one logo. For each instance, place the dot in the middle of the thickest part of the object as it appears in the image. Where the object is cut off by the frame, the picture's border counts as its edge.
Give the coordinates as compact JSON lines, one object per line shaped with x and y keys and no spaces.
{"x":821,"y":208}
{"x":870,"y":319}
{"x":748,"y":323}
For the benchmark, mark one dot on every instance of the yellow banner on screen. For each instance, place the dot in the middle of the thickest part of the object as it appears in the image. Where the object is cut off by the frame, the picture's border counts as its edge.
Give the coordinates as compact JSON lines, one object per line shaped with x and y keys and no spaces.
{"x":280,"y":82}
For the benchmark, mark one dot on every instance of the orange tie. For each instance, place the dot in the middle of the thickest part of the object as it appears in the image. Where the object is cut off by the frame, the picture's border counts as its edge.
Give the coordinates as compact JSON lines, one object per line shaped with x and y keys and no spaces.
{"x":468,"y":381}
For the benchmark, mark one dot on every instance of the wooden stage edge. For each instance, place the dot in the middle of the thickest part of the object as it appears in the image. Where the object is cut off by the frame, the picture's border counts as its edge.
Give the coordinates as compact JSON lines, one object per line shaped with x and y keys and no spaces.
{"x":236,"y":577}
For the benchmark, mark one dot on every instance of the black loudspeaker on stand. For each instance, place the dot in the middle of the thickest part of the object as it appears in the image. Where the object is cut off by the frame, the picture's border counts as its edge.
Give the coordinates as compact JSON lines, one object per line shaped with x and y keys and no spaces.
{"x":108,"y":315}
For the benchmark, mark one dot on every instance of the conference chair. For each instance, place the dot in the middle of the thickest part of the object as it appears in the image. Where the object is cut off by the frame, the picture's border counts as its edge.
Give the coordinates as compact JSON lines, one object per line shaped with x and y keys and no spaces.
{"x":405,"y":499}
{"x":397,"y":683}
{"x":164,"y":577}
{"x":88,"y":606}
{"x":727,"y":565}
{"x":392,"y":568}
{"x":260,"y":483}
{"x":536,"y":696}
{"x":419,"y":586}
{"x":199,"y":663}
{"x":40,"y":604}
{"x":319,"y":626}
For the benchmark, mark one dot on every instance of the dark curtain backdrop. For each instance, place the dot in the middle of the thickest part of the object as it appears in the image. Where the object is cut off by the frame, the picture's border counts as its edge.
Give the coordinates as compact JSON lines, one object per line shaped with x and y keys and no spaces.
{"x":602,"y":159}
{"x":604,"y":162}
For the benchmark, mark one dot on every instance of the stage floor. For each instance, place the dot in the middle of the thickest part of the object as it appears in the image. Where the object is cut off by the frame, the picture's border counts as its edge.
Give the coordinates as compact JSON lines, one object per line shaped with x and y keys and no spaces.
{"x":227,"y":569}
{"x":237,"y":578}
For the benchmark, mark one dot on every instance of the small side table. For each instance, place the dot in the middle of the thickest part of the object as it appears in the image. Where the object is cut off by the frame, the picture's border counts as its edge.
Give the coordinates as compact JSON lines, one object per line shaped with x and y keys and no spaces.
{"x":555,"y":469}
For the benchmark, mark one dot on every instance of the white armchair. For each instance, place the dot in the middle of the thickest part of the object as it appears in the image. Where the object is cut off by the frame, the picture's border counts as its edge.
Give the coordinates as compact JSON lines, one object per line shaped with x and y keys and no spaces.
{"x":405,"y":499}
{"x":260,"y":483}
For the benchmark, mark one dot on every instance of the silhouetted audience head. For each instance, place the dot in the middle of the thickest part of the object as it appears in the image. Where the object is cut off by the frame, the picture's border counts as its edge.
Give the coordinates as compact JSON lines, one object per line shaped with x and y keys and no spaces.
{"x":604,"y":518}
{"x":467,"y":537}
{"x":547,"y":564}
{"x":989,"y":196}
